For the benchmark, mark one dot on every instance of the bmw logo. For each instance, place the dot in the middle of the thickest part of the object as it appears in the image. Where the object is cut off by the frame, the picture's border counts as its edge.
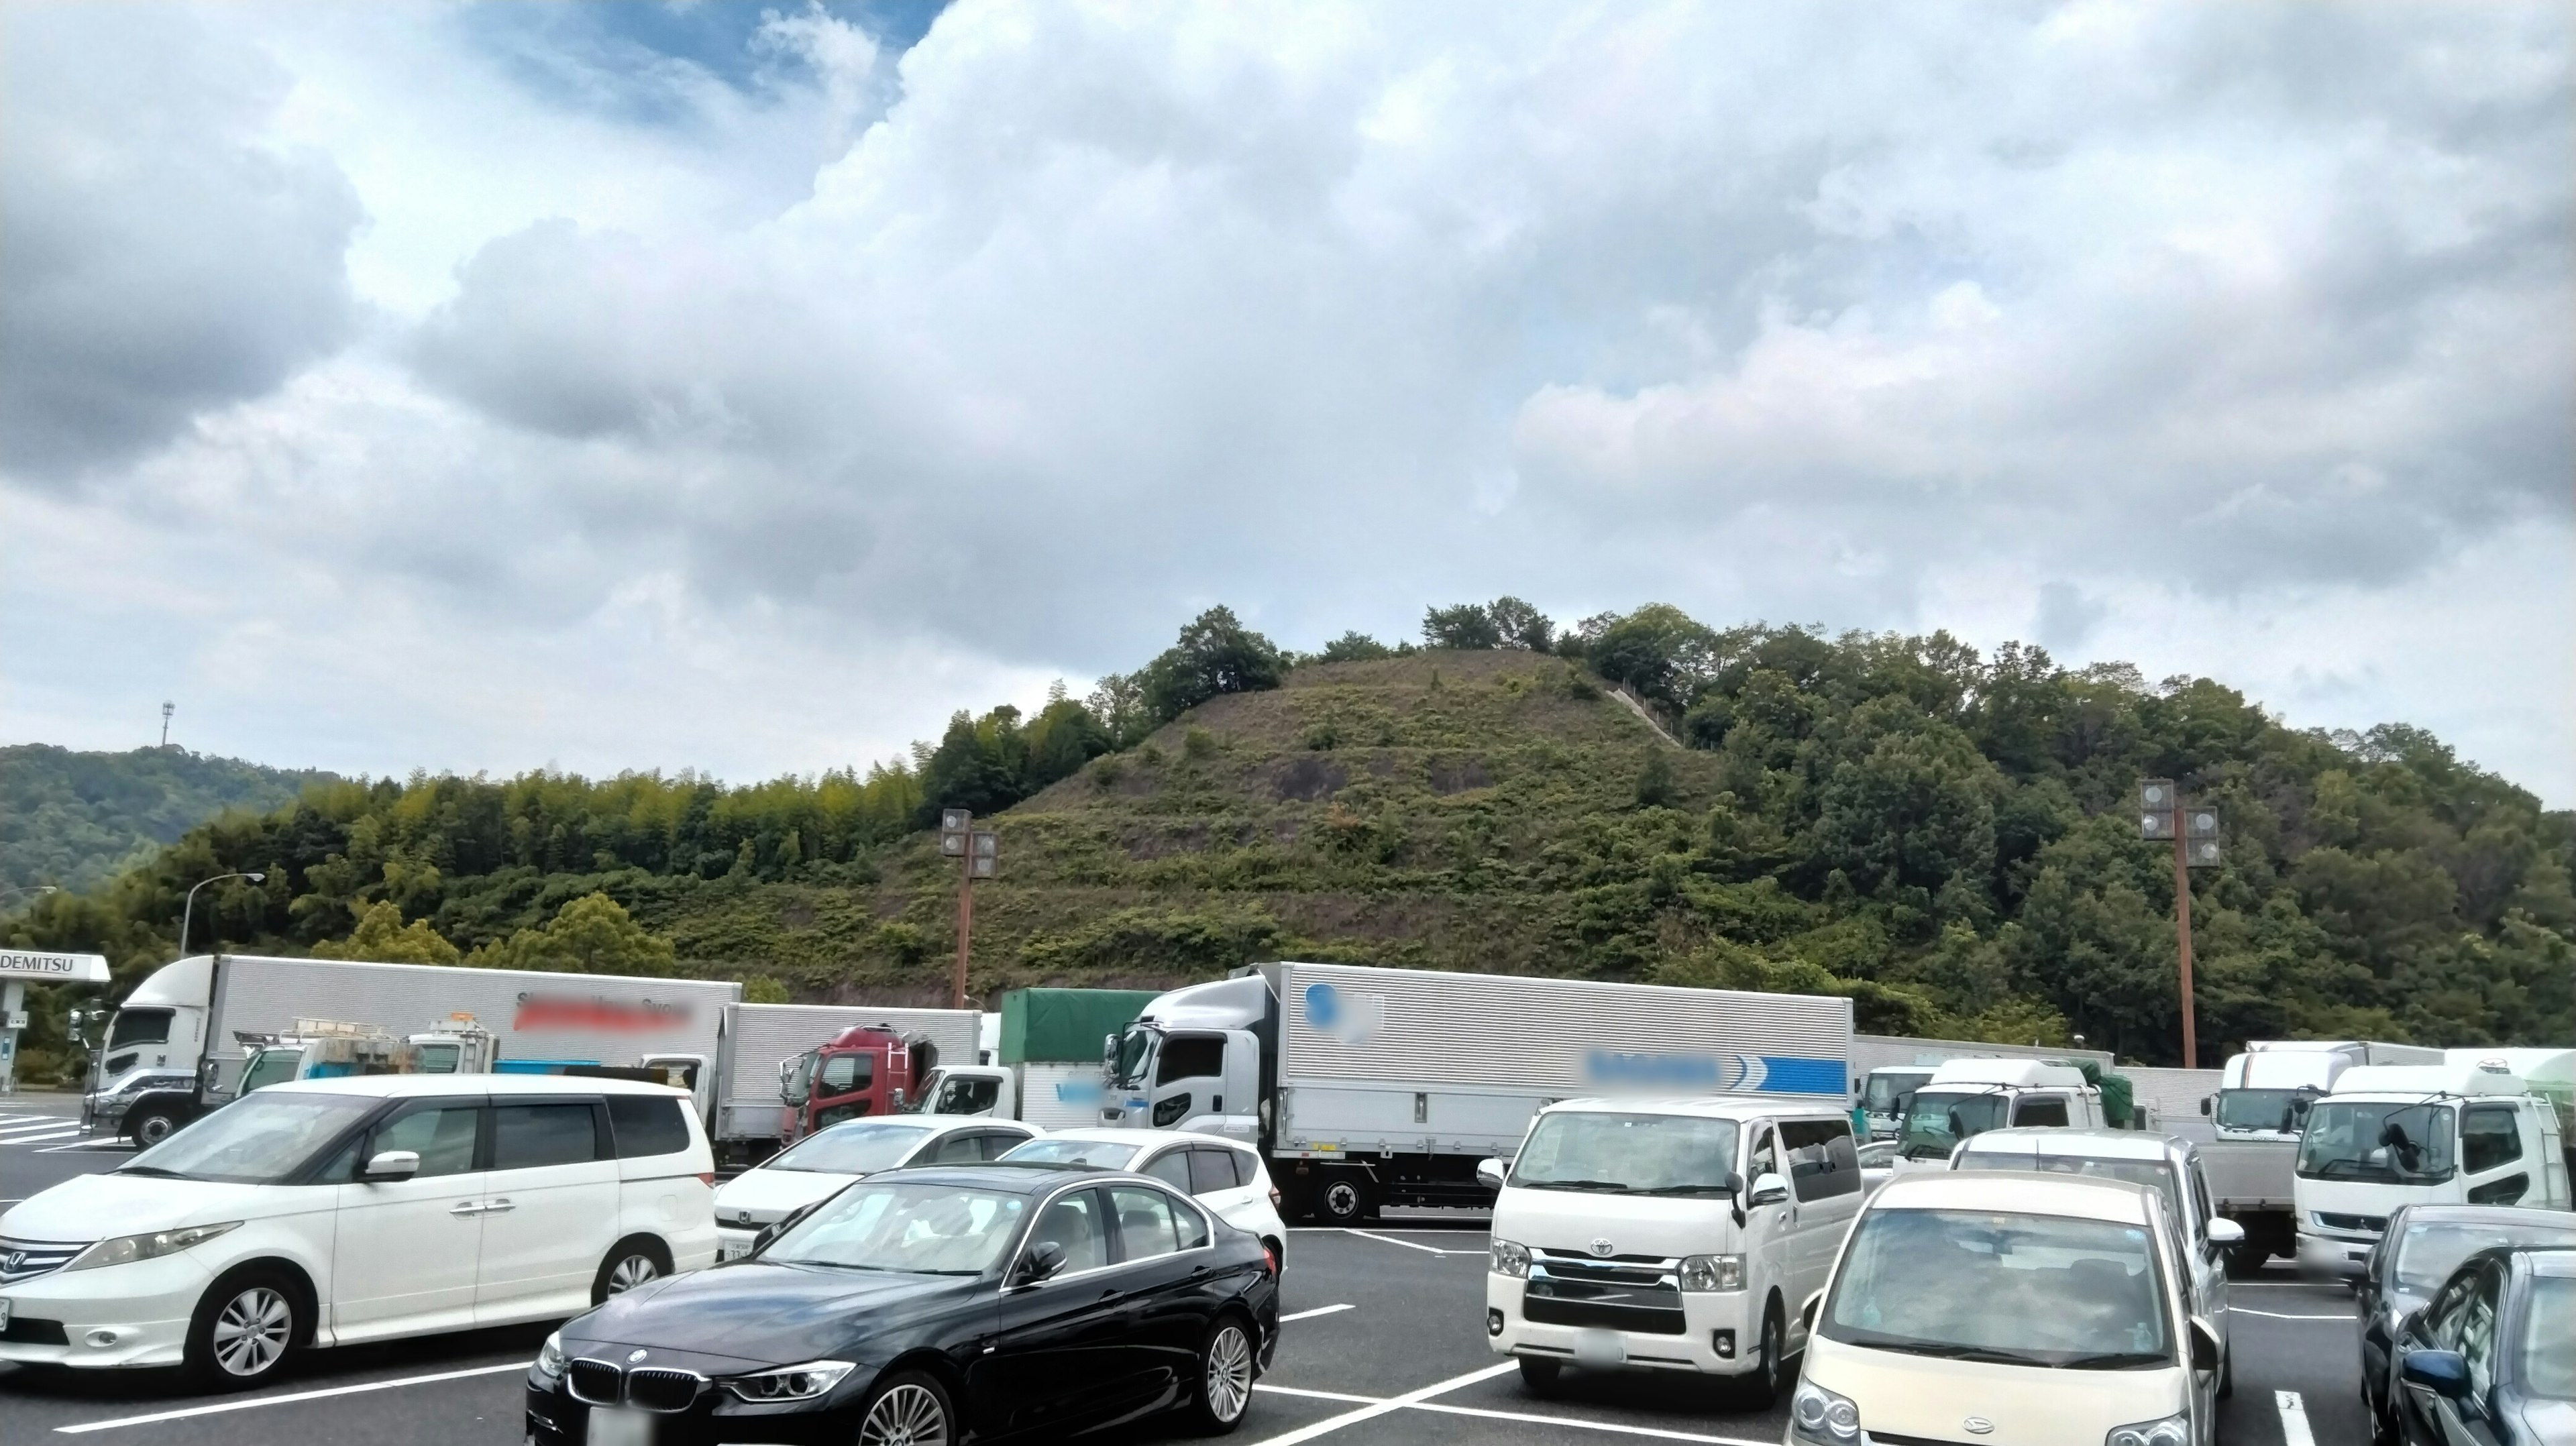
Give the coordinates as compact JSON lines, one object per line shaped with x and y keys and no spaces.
{"x":633,"y":1356}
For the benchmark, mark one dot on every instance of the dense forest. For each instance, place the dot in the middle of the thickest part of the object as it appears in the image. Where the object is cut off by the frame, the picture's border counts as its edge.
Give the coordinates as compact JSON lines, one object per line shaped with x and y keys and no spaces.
{"x":1947,"y":837}
{"x":74,"y":820}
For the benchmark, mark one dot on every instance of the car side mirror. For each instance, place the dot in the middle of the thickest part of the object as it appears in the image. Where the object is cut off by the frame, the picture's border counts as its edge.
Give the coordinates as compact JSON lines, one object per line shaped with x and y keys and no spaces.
{"x":1041,"y":1262}
{"x":2444,"y":1373}
{"x":1489,"y":1173}
{"x":1768,"y":1189}
{"x":387,"y":1165}
{"x":2225,"y":1233}
{"x":2204,"y":1345}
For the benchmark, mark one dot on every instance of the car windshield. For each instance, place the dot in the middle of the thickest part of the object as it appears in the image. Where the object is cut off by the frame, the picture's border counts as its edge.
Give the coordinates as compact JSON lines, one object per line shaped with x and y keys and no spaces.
{"x":1940,"y":1119}
{"x":1887,"y":1091}
{"x":923,"y":1229}
{"x":2384,"y":1142}
{"x":2038,"y":1290}
{"x":1135,"y":1051}
{"x":2429,"y":1251}
{"x":2280,"y":1110}
{"x":2154,"y":1174}
{"x":860,"y":1148}
{"x":2548,"y":1367}
{"x":1107,"y":1154}
{"x":257,"y":1140}
{"x":1628,"y":1154}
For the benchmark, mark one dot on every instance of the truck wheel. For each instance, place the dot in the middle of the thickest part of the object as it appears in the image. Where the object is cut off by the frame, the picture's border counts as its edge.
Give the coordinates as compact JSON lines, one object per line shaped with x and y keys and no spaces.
{"x":153,"y":1124}
{"x":2246,"y":1261}
{"x":1344,"y":1198}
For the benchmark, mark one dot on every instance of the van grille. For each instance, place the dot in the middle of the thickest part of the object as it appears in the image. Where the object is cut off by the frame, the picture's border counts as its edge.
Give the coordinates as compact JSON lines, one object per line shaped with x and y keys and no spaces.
{"x":1629,"y":1293}
{"x":23,"y":1260}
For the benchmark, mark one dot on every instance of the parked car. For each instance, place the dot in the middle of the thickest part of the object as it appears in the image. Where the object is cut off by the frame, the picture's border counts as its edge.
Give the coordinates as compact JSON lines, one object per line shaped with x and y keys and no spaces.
{"x":821,"y":1163}
{"x":1971,"y":1305}
{"x":1224,"y":1175}
{"x":1671,"y":1234}
{"x":2168,"y":1165}
{"x":931,"y":1305}
{"x":2415,"y":1256}
{"x":2488,"y":1362}
{"x":326,"y":1212}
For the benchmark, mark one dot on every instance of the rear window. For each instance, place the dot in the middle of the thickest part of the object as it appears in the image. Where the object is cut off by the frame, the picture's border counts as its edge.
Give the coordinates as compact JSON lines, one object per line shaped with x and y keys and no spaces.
{"x":1212,"y":1169}
{"x":647,"y":1125}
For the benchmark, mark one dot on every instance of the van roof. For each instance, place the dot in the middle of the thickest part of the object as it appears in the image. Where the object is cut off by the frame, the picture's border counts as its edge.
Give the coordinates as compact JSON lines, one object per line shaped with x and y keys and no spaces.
{"x":2081,"y":1197}
{"x":1708,"y":1107}
{"x":2028,"y":1073}
{"x":2087,"y":1144}
{"x":2427,"y":1079}
{"x":404,"y":1086}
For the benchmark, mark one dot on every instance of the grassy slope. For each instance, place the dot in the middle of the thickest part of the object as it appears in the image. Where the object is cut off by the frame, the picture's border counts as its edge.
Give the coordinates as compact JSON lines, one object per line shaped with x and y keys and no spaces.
{"x":76,"y":819}
{"x":1400,"y":812}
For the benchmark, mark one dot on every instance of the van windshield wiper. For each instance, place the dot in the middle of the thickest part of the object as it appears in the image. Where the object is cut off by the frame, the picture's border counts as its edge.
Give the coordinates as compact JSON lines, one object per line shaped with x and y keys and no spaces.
{"x":154,"y":1170}
{"x":1704,"y":1187}
{"x":1953,"y":1351}
{"x":1612,"y":1186}
{"x":2112,"y":1360}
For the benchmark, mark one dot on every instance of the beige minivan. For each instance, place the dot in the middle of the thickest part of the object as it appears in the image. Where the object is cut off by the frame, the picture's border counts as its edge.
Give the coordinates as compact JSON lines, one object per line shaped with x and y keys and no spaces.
{"x":2008,"y":1310}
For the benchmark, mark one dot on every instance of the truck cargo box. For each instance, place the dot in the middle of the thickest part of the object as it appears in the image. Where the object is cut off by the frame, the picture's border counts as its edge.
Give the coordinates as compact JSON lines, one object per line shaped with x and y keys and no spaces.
{"x":1065,"y":1025}
{"x":763,"y":1035}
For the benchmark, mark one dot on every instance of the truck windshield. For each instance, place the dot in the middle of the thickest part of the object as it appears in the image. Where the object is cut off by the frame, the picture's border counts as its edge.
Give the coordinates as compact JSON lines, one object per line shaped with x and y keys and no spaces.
{"x":255,"y":1141}
{"x":1887,"y":1091}
{"x":1628,"y":1154}
{"x":2383,"y":1142}
{"x":268,"y":1067}
{"x":139,"y":1026}
{"x":860,"y":1148}
{"x":2281,"y":1110}
{"x":1135,"y":1052}
{"x":2038,"y":1290}
{"x":1940,"y":1119}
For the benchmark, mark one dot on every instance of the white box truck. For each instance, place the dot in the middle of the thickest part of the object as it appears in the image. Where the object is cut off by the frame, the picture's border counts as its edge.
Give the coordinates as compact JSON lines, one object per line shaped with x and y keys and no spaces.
{"x":1370,"y":1087}
{"x":1887,"y":1069}
{"x":2256,"y":1113}
{"x":744,"y":1087}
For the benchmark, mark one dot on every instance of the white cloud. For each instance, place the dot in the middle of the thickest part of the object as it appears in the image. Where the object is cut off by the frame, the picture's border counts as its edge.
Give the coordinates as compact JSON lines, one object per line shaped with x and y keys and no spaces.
{"x":947,"y":372}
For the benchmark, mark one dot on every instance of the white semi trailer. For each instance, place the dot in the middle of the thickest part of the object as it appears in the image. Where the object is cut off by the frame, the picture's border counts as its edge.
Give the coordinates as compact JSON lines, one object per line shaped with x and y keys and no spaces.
{"x":1369,"y":1087}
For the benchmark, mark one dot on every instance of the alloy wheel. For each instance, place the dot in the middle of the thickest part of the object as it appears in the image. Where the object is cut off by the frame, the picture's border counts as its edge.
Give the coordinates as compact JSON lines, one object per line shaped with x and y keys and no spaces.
{"x":906,"y":1415}
{"x":252,"y":1331}
{"x":1229,"y":1373}
{"x":631,"y":1272}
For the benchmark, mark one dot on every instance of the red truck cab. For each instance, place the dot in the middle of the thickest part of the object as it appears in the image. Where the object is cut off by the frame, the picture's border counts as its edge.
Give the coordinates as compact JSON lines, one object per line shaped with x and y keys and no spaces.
{"x":867,"y":1069}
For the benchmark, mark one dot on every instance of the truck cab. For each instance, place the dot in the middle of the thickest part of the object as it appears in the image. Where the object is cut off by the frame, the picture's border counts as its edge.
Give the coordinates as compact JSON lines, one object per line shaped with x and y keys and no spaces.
{"x":969,"y":1089}
{"x":867,"y":1069}
{"x":1885,"y":1093}
{"x":147,"y":1068}
{"x":1967,"y":1097}
{"x":2448,"y":1134}
{"x":1194,"y":1061}
{"x":323,"y":1049}
{"x":2266,"y":1092}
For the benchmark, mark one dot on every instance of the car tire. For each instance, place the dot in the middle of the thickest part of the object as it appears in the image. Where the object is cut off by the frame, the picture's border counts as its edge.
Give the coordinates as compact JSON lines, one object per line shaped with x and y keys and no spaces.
{"x":908,"y":1409}
{"x":1344,"y":1198}
{"x":2227,"y":1373}
{"x":1228,"y":1362}
{"x":1761,"y":1388}
{"x":1540,"y":1376}
{"x":248,"y":1325}
{"x":632,"y":1262}
{"x":153,"y":1125}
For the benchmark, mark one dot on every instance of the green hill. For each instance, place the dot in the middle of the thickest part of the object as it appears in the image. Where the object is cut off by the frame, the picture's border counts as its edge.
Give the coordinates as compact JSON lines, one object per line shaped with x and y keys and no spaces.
{"x":75,"y":819}
{"x":1946,"y":837}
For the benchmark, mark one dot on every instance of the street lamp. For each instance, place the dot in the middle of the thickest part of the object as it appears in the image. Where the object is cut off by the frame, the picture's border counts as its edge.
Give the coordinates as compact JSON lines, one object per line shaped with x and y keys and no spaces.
{"x":189,"y":909}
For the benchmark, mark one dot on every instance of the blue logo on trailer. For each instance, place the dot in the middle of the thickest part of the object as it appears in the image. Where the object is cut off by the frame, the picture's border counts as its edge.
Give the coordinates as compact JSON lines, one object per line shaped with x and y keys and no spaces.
{"x":1323,"y":1006}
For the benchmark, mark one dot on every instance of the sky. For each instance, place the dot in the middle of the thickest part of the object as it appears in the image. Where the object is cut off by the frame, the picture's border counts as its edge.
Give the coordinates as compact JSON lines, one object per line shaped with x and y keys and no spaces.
{"x":746,"y":388}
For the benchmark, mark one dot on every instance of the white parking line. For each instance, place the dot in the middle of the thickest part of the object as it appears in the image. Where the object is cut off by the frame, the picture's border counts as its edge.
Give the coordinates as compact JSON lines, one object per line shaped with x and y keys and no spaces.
{"x":252,"y":1405}
{"x":2346,"y":1317}
{"x":2294,"y":1419}
{"x":110,"y":1143}
{"x":1616,"y":1427}
{"x":1317,"y":1395}
{"x":1410,"y":1245}
{"x":1311,"y":1314}
{"x":72,"y":1134}
{"x":1371,"y":1412}
{"x":38,"y":1127}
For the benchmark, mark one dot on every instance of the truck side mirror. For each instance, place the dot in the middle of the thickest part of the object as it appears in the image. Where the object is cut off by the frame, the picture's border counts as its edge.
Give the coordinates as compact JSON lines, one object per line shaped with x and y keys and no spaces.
{"x":898,"y":1097}
{"x":388,"y":1165}
{"x":1489,"y":1173}
{"x":2205,"y":1101}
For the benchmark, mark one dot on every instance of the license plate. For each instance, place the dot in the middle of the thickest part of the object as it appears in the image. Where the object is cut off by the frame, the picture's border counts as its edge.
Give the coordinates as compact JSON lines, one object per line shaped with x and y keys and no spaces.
{"x":1599,"y":1348}
{"x":610,"y":1427}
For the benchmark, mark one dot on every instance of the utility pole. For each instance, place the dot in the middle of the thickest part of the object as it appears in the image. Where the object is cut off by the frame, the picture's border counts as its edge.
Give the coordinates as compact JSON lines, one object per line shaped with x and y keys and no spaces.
{"x":167,"y":708}
{"x":2194,"y":831}
{"x":979,"y":855}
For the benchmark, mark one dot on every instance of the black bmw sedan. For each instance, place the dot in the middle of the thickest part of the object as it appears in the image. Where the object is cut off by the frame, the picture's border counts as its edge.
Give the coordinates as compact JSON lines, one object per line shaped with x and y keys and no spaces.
{"x":925,"y":1307}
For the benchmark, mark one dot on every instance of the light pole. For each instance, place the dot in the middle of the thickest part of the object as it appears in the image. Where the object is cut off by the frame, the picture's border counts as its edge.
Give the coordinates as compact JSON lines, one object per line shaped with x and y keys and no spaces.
{"x":2194,"y":833}
{"x":188,"y":910}
{"x":979,"y":852}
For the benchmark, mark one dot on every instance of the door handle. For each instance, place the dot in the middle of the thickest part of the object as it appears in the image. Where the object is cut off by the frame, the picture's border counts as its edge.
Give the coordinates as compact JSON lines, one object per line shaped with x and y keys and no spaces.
{"x":464,"y":1208}
{"x":497,"y":1207}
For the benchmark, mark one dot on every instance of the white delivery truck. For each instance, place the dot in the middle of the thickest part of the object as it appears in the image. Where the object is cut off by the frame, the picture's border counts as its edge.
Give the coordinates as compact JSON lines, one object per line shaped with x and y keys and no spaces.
{"x":1887,"y":1069}
{"x":334,"y":1049}
{"x":1967,"y":1097}
{"x":1041,"y":1064}
{"x":2475,"y":1130}
{"x":2264,"y":1093}
{"x":175,"y":1047}
{"x":1387,"y":1086}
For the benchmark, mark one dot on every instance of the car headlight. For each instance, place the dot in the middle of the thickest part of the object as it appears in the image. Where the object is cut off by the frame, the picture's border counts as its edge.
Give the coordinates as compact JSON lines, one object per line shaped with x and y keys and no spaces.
{"x":1511,"y":1258}
{"x":791,"y":1383}
{"x":126,"y":1249}
{"x":550,"y":1357}
{"x":2174,"y":1430}
{"x":1712,"y":1272}
{"x":1816,"y":1414}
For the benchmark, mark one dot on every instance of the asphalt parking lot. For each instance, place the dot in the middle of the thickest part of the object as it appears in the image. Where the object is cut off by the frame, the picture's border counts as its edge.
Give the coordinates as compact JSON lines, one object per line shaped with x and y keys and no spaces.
{"x":1384,"y":1344}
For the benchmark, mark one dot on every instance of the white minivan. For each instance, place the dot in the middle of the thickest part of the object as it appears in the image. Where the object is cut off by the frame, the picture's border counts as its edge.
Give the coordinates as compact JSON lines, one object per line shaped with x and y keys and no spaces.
{"x":327,"y":1212}
{"x":2009,"y":1310}
{"x":1668,"y":1234}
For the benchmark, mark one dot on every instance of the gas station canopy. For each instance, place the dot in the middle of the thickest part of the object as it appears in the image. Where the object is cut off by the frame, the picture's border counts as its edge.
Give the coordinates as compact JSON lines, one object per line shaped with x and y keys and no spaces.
{"x":38,"y":967}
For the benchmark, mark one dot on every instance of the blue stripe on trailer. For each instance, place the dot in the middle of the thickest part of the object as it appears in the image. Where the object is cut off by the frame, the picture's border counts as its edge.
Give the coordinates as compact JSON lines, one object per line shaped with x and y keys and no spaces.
{"x":1792,"y":1075}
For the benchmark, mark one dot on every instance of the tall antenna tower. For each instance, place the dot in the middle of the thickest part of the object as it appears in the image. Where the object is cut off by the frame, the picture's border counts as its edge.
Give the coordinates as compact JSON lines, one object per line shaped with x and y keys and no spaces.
{"x":167,"y":708}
